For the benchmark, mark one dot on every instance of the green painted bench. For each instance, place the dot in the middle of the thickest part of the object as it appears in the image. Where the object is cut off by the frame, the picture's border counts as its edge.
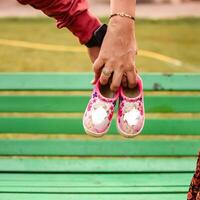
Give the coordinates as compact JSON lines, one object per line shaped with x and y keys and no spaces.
{"x":45,"y":154}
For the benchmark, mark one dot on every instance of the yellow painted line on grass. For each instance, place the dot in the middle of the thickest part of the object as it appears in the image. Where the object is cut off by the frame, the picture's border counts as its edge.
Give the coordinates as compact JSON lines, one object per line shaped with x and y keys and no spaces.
{"x":40,"y":46}
{"x":161,"y":57}
{"x":75,"y":49}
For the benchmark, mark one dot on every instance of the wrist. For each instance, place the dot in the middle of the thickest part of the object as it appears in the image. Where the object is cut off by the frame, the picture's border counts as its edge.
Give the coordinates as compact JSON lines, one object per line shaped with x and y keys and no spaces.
{"x":97,"y":37}
{"x":120,"y":23}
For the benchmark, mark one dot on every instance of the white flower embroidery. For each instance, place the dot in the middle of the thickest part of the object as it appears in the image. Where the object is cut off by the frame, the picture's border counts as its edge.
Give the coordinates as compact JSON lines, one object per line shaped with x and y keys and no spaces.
{"x":98,"y":115}
{"x":132,"y":117}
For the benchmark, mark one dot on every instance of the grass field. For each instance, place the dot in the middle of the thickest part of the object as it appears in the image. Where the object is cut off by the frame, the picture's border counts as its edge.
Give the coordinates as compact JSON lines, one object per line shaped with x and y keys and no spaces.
{"x":178,"y":39}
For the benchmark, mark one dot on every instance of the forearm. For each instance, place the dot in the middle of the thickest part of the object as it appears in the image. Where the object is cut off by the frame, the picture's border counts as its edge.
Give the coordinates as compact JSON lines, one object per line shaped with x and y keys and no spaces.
{"x":125,"y":6}
{"x":71,"y":14}
{"x":123,"y":25}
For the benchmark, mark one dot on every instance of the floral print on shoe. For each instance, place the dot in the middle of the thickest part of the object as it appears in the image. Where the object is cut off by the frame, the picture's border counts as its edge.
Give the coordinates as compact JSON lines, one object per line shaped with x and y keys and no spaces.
{"x":99,"y":112}
{"x":131,"y":116}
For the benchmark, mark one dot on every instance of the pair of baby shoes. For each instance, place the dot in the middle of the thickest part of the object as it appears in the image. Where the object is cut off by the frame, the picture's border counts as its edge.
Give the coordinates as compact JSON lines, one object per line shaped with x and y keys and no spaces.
{"x":99,"y":112}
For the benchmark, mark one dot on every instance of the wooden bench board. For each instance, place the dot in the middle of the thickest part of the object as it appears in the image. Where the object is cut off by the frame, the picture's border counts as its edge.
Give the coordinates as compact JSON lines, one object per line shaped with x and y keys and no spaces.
{"x":77,"y":103}
{"x":95,"y":164}
{"x":66,"y":125}
{"x":94,"y":189}
{"x":30,"y":196}
{"x":65,"y":81}
{"x":99,"y":147}
{"x":39,"y":182}
{"x":153,"y":186}
{"x":95,"y":179}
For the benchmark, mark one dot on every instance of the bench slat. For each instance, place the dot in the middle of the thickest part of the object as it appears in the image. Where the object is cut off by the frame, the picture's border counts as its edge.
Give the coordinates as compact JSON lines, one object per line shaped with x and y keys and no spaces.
{"x":30,"y":196}
{"x":101,"y":147}
{"x":81,"y":81}
{"x":74,"y":125}
{"x":122,"y":164}
{"x":95,"y":180}
{"x":63,"y":103}
{"x":93,"y":190}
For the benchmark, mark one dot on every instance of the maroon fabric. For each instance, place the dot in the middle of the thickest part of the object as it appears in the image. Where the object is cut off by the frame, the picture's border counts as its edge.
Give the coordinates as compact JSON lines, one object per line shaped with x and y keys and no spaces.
{"x":72,"y":14}
{"x":194,"y":191}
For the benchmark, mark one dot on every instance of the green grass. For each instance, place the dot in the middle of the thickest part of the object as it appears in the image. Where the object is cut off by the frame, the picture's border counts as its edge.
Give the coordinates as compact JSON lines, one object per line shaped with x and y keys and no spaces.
{"x":175,"y":38}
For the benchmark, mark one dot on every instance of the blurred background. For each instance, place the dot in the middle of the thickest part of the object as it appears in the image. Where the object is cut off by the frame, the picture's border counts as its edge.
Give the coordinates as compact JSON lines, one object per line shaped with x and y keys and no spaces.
{"x":167,"y":33}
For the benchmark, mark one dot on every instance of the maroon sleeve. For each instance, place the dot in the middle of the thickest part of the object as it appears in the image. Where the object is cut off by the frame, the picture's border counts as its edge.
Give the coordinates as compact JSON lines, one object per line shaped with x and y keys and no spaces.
{"x":72,"y":14}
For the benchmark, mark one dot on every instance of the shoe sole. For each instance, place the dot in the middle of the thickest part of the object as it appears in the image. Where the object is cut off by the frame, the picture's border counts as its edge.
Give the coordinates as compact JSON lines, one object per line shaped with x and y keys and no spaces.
{"x":97,"y":135}
{"x":124,"y":134}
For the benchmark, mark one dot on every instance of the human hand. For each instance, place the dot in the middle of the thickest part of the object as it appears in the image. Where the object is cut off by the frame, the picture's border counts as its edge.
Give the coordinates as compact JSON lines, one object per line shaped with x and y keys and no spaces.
{"x":117,"y":55}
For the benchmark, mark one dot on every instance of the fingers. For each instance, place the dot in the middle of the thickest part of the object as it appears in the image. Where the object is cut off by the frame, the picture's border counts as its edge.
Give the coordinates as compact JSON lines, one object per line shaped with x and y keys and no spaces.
{"x":97,"y":67}
{"x":127,"y":79}
{"x":105,"y":75}
{"x":124,"y":81}
{"x":116,"y":80}
{"x":131,"y":76}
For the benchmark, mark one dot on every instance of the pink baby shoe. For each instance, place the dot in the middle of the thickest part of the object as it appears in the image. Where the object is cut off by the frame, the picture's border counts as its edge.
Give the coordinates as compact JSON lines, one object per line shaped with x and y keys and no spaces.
{"x":99,"y":112}
{"x":131,"y":116}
